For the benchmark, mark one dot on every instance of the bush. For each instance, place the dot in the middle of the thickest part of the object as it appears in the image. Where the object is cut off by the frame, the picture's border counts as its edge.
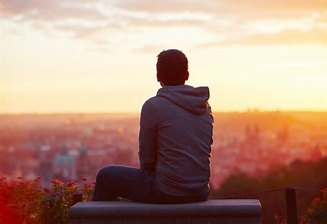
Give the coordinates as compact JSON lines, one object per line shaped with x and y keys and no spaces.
{"x":25,"y":201}
{"x":317,"y":213}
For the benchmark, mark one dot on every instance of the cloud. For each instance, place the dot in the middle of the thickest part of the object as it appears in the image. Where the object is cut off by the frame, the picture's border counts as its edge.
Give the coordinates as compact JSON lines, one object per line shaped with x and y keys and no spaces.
{"x":235,"y":8}
{"x":229,"y":21}
{"x":289,"y":37}
{"x":48,"y":10}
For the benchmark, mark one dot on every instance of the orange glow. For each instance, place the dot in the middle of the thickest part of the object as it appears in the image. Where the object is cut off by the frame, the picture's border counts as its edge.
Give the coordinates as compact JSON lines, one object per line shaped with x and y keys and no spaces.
{"x":101,"y":57}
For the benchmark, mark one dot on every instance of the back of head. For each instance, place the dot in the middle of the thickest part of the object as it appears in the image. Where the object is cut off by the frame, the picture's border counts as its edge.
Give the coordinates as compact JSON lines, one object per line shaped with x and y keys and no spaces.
{"x":172,"y":67}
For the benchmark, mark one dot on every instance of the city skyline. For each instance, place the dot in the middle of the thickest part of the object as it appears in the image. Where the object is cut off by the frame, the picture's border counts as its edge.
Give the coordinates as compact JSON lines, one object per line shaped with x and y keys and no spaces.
{"x":99,"y":56}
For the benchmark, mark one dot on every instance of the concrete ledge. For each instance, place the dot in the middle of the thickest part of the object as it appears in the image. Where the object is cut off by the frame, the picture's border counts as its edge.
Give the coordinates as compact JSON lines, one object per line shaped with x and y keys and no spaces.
{"x":246,"y":211}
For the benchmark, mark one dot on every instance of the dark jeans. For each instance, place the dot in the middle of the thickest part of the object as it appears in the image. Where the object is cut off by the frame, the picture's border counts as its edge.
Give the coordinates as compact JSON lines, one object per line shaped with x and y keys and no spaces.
{"x":136,"y":185}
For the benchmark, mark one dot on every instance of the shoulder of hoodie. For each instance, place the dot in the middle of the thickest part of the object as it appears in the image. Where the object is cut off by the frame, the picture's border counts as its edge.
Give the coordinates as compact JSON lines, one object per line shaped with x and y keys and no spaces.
{"x":153,"y":104}
{"x":156,"y":102}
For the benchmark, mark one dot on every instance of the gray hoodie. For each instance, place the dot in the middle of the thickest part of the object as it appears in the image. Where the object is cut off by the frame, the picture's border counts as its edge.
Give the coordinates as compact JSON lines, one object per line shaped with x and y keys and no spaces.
{"x":175,"y":139}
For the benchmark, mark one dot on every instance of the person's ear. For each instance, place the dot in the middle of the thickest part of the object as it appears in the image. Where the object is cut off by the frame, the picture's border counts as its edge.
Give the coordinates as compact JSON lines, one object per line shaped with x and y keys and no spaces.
{"x":187,"y":75}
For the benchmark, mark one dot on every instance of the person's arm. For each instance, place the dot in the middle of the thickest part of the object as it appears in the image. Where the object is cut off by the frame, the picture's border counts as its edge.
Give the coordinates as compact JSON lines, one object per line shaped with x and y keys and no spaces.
{"x":147,"y":138}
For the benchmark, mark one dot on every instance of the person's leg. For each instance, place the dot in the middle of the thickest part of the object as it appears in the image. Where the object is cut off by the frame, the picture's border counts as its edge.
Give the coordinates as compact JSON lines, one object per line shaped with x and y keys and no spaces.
{"x":136,"y":185}
{"x":163,"y":198}
{"x":126,"y":182}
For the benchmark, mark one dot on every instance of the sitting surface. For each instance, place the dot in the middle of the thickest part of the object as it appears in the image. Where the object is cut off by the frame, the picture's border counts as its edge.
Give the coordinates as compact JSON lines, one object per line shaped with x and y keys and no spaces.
{"x":212,"y":211}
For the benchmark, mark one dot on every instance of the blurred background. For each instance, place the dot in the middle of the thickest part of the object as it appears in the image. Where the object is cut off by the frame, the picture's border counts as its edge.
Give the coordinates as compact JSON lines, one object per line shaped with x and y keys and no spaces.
{"x":74,"y":75}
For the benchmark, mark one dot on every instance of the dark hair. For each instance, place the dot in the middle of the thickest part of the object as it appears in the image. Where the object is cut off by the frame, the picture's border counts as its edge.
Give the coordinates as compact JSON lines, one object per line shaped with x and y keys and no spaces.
{"x":172,"y":67}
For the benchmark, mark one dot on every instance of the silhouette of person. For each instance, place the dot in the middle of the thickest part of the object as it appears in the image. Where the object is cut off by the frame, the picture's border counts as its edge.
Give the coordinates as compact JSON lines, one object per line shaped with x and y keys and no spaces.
{"x":175,"y":139}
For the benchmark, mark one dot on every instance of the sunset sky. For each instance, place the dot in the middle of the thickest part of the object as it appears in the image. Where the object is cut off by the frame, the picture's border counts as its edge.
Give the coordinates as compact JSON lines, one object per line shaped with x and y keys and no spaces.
{"x":100,"y":55}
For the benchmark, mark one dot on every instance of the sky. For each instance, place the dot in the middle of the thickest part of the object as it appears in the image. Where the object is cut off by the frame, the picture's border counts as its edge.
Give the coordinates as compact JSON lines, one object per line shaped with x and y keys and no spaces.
{"x":100,"y":55}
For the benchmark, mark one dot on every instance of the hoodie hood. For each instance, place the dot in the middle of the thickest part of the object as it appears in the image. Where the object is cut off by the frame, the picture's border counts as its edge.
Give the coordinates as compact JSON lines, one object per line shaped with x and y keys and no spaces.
{"x":194,"y":100}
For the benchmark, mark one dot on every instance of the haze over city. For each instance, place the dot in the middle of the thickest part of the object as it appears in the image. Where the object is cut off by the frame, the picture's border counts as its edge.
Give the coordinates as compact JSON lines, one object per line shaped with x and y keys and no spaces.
{"x":99,"y":56}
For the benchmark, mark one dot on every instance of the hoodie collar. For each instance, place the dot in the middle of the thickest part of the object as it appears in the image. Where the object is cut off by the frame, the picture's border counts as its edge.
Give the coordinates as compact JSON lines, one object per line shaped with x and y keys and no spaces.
{"x":194,"y":100}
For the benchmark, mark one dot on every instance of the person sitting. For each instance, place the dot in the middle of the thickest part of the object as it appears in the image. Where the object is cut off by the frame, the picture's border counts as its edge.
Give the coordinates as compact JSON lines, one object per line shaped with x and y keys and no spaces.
{"x":175,"y":138}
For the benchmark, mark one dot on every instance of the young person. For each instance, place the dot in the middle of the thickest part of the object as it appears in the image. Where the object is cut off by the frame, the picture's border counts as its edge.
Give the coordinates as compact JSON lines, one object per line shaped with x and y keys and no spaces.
{"x":175,"y":140}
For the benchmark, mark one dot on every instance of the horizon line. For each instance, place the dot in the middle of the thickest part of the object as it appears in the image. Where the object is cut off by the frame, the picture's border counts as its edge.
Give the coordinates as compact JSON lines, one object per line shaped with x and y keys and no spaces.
{"x":137,"y":113}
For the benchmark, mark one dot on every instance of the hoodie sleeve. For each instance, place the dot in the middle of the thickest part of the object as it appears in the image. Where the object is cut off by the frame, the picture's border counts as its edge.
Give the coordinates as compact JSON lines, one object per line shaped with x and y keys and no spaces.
{"x":147,"y":137}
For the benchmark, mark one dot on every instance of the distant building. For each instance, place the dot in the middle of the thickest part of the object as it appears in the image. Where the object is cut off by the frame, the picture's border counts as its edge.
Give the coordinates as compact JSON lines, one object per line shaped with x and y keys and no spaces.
{"x":82,"y":164}
{"x":64,"y":166}
{"x":44,"y":169}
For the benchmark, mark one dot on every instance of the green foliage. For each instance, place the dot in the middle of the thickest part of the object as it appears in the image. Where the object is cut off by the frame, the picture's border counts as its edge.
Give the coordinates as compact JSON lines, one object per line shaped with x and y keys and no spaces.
{"x":317,"y":213}
{"x":307,"y":177}
{"x":231,"y":186}
{"x":58,"y":201}
{"x":25,"y":201}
